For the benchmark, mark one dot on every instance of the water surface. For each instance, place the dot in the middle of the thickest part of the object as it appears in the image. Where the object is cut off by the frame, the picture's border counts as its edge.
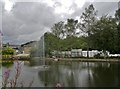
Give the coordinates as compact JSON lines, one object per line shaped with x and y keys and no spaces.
{"x":68,"y":74}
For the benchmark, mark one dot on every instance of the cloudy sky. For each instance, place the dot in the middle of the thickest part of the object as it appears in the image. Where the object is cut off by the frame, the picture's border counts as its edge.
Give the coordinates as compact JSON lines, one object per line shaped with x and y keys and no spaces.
{"x":27,"y":20}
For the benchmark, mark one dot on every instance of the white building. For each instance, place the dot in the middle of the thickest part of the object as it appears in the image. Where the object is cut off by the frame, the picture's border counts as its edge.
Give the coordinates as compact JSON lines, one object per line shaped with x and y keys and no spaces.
{"x":80,"y":53}
{"x":93,"y":53}
{"x":76,"y":52}
{"x":84,"y":53}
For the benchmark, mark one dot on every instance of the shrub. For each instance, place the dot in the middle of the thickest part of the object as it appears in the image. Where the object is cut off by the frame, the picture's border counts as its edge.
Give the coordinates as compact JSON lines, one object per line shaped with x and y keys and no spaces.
{"x":8,"y":51}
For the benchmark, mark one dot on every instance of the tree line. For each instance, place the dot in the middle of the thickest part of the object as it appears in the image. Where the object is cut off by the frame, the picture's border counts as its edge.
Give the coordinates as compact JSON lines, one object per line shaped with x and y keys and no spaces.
{"x":88,"y":32}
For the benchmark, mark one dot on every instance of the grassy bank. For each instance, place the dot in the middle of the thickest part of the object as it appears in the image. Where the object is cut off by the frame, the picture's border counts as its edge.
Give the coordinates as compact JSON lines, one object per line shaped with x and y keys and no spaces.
{"x":66,"y":59}
{"x":85,"y":60}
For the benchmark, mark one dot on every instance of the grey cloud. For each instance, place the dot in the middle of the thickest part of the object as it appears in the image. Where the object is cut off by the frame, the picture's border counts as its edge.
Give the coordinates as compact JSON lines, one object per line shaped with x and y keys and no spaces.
{"x":78,"y":11}
{"x":33,"y":13}
{"x":106,"y":8}
{"x":10,"y":24}
{"x":29,"y":20}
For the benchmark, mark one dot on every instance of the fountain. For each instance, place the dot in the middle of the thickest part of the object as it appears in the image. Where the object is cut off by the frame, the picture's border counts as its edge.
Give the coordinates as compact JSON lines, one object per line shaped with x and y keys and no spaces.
{"x":39,"y":54}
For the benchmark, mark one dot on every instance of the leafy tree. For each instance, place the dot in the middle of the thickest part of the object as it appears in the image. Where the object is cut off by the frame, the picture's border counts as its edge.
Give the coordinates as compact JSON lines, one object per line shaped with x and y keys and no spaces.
{"x":105,"y":35}
{"x":117,"y":15}
{"x":74,"y":43}
{"x":58,"y":29}
{"x":70,"y":27}
{"x":51,"y":43}
{"x":88,"y":18}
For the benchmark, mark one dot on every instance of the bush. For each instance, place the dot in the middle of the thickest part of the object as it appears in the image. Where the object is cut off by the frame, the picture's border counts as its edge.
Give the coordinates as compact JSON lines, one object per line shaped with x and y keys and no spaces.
{"x":8,"y":51}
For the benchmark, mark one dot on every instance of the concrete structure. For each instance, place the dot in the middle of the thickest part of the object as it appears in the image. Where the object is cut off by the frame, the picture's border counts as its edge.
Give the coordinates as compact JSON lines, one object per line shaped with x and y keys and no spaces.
{"x":26,"y":48}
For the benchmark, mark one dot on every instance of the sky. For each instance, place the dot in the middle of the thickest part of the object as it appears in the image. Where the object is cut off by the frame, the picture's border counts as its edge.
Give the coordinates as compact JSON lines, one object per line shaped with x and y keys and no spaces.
{"x":22,"y":21}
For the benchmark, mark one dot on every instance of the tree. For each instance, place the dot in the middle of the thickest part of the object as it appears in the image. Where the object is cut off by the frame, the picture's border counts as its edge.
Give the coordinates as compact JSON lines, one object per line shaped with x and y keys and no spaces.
{"x":8,"y":51}
{"x":52,"y":43}
{"x":105,"y":34}
{"x":117,"y":15}
{"x":58,"y":29}
{"x":88,"y":18}
{"x":74,"y":43}
{"x":70,"y":27}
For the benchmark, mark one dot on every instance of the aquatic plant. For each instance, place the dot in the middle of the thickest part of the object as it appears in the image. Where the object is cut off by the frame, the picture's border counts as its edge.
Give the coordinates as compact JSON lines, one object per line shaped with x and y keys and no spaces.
{"x":13,"y":83}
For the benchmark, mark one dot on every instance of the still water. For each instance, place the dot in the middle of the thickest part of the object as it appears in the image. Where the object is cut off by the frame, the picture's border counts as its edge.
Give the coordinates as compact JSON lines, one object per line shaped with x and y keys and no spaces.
{"x":68,"y":74}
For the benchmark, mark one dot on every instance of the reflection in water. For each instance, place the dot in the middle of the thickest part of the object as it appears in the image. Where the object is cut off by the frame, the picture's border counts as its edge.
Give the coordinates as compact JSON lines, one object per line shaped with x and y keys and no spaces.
{"x":7,"y":64}
{"x":72,"y":74}
{"x":81,"y":75}
{"x":106,"y":75}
